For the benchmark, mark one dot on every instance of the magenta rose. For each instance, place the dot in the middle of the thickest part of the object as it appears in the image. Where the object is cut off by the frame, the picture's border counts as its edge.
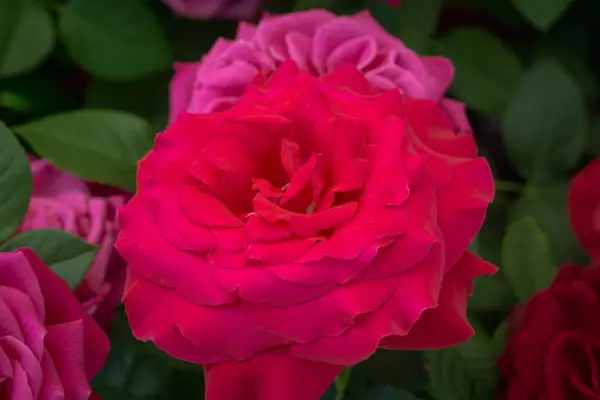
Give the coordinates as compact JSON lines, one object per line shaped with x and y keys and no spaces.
{"x":49,"y":347}
{"x":315,"y":221}
{"x":207,"y":9}
{"x":61,"y":201}
{"x":318,"y":42}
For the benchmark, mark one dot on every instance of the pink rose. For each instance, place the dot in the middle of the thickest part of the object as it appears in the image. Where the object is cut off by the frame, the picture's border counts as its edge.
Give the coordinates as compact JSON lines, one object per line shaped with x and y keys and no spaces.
{"x":207,"y":9}
{"x":61,"y":201}
{"x":318,"y":42}
{"x":295,"y":233}
{"x":49,"y":347}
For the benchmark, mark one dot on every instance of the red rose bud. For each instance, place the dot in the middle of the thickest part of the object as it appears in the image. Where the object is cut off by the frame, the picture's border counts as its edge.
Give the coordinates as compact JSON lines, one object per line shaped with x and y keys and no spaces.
{"x":295,"y":233}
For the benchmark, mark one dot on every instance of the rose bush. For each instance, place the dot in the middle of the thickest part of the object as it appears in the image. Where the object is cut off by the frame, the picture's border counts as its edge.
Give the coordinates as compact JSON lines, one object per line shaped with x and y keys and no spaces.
{"x":61,"y":201}
{"x":300,"y":230}
{"x":584,"y":208}
{"x":554,"y":349}
{"x":318,"y":42}
{"x":49,"y":347}
{"x":206,"y":9}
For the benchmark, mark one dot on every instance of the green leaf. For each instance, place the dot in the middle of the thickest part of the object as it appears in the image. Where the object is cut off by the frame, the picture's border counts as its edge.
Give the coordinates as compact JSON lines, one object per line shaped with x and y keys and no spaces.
{"x":386,"y":392}
{"x":542,"y":13}
{"x":341,"y":382}
{"x":548,"y":208}
{"x":114,"y":39}
{"x":67,"y":255}
{"x":134,"y":372}
{"x":492,"y":232}
{"x":466,"y":371}
{"x":417,"y":22}
{"x":484,"y":79}
{"x":31,"y":41}
{"x":414,"y":22}
{"x":148,"y":98}
{"x":491,"y":293}
{"x":545,"y":124}
{"x":527,"y":261}
{"x":499,"y":337}
{"x":15,"y":183}
{"x":401,"y":369}
{"x":10,"y":12}
{"x":96,"y":145}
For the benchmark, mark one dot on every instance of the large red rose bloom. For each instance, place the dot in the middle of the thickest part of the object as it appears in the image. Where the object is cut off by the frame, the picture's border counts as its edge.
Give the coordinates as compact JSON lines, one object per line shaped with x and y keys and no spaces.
{"x":297,"y":232}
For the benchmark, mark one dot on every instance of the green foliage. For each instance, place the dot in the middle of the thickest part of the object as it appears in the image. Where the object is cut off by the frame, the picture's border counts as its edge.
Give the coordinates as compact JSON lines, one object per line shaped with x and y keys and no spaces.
{"x":147,"y":98}
{"x":31,"y":39}
{"x":484,"y":80}
{"x":10,"y":11}
{"x":465,"y":371}
{"x":137,"y":371}
{"x":527,"y":259}
{"x":386,"y":392}
{"x":545,"y":124}
{"x":15,"y":183}
{"x":114,"y":39}
{"x":547,"y":206}
{"x":67,"y":255}
{"x":593,"y":139}
{"x":96,"y":145}
{"x":414,"y":21}
{"x":401,"y":369}
{"x":542,"y":13}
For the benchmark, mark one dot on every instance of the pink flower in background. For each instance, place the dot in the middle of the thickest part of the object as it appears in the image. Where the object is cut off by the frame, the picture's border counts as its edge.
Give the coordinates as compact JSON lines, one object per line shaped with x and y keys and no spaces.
{"x":207,"y":9}
{"x":49,"y":347}
{"x":318,"y":42}
{"x":61,"y":201}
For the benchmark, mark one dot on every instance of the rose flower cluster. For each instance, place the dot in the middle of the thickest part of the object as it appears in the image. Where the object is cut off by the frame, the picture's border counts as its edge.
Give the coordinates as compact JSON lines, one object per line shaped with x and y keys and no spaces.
{"x":293,"y":234}
{"x":312,"y":200}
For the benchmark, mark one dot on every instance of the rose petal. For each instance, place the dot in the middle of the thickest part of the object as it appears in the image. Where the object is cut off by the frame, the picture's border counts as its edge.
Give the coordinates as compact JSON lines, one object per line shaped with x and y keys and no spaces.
{"x":416,"y":291}
{"x":445,"y":325}
{"x":65,"y":343}
{"x":270,"y":375}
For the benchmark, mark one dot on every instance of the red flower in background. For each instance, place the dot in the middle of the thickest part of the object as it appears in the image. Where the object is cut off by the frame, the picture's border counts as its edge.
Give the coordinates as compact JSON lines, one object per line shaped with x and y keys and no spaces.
{"x":584,"y":208}
{"x":49,"y":347}
{"x":553,"y":349}
{"x":295,"y":233}
{"x":553,"y":352}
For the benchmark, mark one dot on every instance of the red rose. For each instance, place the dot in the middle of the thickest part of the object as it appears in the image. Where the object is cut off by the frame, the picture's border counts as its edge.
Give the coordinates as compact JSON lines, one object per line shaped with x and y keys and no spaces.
{"x":292,"y":235}
{"x":553,"y":352}
{"x":584,"y":208}
{"x":50,"y":348}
